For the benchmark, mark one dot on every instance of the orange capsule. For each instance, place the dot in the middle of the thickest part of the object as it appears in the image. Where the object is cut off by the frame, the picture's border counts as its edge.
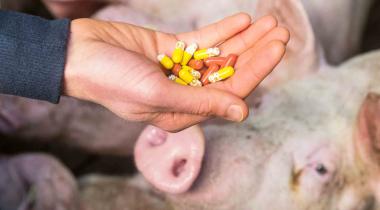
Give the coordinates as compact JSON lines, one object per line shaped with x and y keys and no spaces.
{"x":213,"y":68}
{"x":196,"y":64}
{"x":230,"y":61}
{"x":202,"y":71}
{"x":177,"y":67}
{"x":214,"y":60}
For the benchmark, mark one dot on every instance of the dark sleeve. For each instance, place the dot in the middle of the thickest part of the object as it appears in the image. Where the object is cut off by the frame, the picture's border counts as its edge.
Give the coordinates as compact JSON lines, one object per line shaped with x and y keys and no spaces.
{"x":32,"y":55}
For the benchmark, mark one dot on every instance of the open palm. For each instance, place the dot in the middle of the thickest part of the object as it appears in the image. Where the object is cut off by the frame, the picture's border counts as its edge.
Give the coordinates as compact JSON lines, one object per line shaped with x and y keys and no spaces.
{"x":114,"y":64}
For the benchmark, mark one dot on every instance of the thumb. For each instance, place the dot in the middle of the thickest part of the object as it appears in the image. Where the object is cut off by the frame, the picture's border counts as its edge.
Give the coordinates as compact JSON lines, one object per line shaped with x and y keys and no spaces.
{"x":205,"y":101}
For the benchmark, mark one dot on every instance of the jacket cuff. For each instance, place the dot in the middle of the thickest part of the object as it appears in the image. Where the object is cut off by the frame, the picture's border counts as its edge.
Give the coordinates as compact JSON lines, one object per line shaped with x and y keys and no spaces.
{"x":32,"y":55}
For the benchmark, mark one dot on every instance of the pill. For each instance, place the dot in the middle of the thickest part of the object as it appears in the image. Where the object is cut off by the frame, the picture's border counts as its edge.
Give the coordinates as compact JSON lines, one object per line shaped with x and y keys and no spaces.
{"x":196,"y":83}
{"x":178,"y":52}
{"x":202,"y":71}
{"x":214,"y":60}
{"x":230,"y":60}
{"x":206,"y":53}
{"x":165,"y":61}
{"x":177,"y":79}
{"x":177,"y":67}
{"x":188,"y":54}
{"x":212,"y":69}
{"x":186,"y":76}
{"x":196,"y":74}
{"x":196,"y":64}
{"x":222,"y":74}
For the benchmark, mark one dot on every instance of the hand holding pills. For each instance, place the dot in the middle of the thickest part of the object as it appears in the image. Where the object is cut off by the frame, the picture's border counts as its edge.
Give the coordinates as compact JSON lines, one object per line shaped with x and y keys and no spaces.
{"x":187,"y":74}
{"x":115,"y":64}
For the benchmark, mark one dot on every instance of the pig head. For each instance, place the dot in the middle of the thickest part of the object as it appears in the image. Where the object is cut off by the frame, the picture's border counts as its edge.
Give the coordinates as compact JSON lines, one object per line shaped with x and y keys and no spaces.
{"x":312,"y":144}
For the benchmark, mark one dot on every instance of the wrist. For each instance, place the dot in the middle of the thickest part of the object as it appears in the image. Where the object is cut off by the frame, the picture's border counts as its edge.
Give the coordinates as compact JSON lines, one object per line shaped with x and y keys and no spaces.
{"x":72,"y":76}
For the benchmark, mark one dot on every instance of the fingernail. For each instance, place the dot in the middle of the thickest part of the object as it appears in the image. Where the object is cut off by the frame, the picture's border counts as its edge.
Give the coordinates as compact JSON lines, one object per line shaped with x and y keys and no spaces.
{"x":235,"y":113}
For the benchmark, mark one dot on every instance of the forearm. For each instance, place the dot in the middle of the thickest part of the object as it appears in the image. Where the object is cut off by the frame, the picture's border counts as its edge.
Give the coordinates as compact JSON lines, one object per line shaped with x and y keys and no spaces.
{"x":32,"y":55}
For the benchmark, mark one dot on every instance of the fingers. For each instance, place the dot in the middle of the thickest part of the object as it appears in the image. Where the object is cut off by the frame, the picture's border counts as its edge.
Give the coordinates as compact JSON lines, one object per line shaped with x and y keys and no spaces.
{"x":218,"y":32}
{"x":278,"y":33}
{"x":175,"y":122}
{"x":247,"y":38}
{"x":204,"y":102}
{"x":256,"y":65}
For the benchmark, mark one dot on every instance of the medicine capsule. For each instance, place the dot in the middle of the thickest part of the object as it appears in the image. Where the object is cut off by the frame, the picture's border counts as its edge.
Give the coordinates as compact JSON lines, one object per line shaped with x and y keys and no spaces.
{"x":212,"y":69}
{"x":177,"y":80}
{"x":186,"y":76}
{"x":177,"y":67}
{"x":230,"y":60}
{"x":196,"y":74}
{"x":165,"y":61}
{"x":178,"y":52}
{"x":188,"y":54}
{"x":202,"y":71}
{"x":196,"y":64}
{"x":222,"y":74}
{"x":214,"y":60}
{"x":196,"y":83}
{"x":206,"y":53}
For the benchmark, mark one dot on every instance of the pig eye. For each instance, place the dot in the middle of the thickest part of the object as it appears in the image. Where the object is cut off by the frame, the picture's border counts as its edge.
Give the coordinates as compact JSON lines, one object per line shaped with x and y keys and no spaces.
{"x":321,"y":169}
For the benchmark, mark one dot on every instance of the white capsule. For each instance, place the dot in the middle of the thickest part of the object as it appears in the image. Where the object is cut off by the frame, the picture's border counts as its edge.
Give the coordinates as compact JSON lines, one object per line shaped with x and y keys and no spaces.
{"x":195,"y":83}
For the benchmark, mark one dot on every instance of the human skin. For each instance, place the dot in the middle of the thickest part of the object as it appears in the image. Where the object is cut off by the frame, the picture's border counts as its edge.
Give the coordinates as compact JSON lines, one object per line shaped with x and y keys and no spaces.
{"x":114,"y":64}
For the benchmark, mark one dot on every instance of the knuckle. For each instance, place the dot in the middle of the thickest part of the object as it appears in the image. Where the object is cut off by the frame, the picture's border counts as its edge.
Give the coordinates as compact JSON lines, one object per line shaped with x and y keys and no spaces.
{"x":205,"y":107}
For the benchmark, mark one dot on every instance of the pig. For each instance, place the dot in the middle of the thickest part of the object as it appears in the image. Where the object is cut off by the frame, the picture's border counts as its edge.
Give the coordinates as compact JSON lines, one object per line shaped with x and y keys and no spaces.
{"x":36,"y":181}
{"x":311,"y":144}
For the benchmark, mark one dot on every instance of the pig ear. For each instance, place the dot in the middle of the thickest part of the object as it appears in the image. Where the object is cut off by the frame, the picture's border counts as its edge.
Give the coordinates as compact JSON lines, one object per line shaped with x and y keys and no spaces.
{"x":368,"y":133}
{"x":303,"y":48}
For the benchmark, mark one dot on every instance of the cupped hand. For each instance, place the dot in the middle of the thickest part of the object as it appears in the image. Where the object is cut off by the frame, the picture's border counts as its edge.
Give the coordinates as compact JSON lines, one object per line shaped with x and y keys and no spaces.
{"x":114,"y":64}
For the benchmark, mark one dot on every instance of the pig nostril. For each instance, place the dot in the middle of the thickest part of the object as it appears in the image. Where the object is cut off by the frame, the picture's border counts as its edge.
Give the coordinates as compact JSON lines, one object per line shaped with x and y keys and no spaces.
{"x":157,"y":137}
{"x":179,"y":167}
{"x":321,"y":169}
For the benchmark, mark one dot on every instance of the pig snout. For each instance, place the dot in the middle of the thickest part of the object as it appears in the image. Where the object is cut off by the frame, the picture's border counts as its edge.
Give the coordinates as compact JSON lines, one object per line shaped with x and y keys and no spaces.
{"x":170,"y":161}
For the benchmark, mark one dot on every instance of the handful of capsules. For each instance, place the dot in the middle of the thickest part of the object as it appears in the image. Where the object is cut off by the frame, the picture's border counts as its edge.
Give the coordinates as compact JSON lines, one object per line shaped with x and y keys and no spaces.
{"x":197,"y":67}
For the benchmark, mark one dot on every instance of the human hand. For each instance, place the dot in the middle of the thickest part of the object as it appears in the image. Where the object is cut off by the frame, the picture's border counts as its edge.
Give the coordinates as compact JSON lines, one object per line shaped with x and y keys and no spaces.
{"x":114,"y":64}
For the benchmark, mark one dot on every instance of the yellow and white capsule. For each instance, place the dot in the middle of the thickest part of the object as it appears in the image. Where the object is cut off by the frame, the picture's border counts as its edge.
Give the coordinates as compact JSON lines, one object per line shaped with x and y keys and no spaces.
{"x":186,"y":76}
{"x":177,"y":80}
{"x":188,"y":54}
{"x":206,"y":53}
{"x":196,"y":83}
{"x":196,"y":74}
{"x":165,"y":61}
{"x":222,"y":74}
{"x":178,"y":52}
